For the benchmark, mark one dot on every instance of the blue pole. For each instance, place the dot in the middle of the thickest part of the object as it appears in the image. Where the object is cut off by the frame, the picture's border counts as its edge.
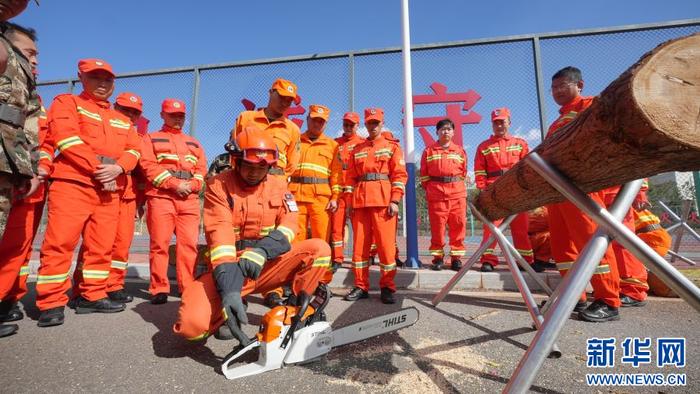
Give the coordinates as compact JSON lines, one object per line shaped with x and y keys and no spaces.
{"x":412,"y":260}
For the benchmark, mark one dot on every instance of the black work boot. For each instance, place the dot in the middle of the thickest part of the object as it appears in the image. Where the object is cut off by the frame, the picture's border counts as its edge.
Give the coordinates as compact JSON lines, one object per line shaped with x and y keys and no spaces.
{"x":9,"y":311}
{"x":486,"y":267}
{"x":599,"y":312}
{"x":626,"y":301}
{"x":273,"y":299}
{"x":160,"y":298}
{"x":8,"y":329}
{"x":355,"y":294}
{"x":103,"y":305}
{"x":581,"y":305}
{"x":437,"y":265}
{"x":51,"y":317}
{"x":120,"y":296}
{"x":387,"y":296}
{"x":456,"y":264}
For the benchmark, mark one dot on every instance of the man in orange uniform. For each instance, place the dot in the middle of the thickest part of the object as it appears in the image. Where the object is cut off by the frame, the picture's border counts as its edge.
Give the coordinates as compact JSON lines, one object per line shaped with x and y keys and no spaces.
{"x":571,"y":229}
{"x":285,"y":133}
{"x":316,"y":182}
{"x":131,"y":106}
{"x":272,"y":120}
{"x":250,"y":221}
{"x":346,"y":145}
{"x":97,"y":146}
{"x":376,"y":177}
{"x":443,"y":170}
{"x":175,"y":165}
{"x":493,"y":158}
{"x":538,"y":231}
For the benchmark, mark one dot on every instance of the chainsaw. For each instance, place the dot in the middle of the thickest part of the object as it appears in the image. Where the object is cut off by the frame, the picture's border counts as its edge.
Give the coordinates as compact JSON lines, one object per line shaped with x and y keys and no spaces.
{"x":299,"y":334}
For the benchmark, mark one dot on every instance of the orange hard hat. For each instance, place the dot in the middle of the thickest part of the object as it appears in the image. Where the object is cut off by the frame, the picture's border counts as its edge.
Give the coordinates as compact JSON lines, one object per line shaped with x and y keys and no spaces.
{"x":254,"y":146}
{"x":90,"y":65}
{"x":500,"y":114}
{"x":173,"y":106}
{"x":130,"y":100}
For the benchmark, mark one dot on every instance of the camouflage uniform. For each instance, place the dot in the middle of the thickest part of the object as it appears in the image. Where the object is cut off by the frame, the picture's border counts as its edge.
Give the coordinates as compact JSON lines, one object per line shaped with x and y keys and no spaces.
{"x":18,"y":103}
{"x":220,"y":164}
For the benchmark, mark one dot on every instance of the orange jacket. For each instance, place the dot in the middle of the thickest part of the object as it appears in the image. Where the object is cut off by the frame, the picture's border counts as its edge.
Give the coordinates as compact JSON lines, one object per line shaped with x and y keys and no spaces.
{"x":568,"y":112}
{"x":168,"y":151}
{"x":346,"y":145}
{"x":376,"y":173}
{"x":235,"y":211}
{"x":443,"y":171}
{"x":645,"y":221}
{"x":83,"y":129}
{"x":284,"y":132}
{"x":495,"y":156}
{"x":319,"y":161}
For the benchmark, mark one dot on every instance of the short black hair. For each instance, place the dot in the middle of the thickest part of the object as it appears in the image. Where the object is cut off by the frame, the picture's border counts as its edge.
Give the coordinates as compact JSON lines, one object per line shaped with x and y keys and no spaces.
{"x":9,"y":28}
{"x":571,"y":73}
{"x":444,"y":122}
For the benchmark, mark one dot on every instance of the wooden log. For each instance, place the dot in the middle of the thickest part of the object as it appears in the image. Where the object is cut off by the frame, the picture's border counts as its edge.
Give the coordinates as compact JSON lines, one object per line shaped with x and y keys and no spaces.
{"x":644,"y":123}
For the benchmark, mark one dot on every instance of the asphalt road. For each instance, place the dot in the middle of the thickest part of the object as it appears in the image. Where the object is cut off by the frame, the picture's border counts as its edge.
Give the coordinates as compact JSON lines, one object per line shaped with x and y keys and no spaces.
{"x":470,"y":343}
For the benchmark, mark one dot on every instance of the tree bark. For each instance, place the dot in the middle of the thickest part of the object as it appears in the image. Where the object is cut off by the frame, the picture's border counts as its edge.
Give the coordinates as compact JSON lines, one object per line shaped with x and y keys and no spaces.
{"x":644,"y":123}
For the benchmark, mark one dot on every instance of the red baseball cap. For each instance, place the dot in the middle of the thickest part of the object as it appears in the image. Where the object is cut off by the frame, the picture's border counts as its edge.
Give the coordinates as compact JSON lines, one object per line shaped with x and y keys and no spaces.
{"x":285,"y":88}
{"x":90,"y":65}
{"x":319,"y":111}
{"x":173,"y":106}
{"x":374,"y":114}
{"x":500,"y":113}
{"x":352,"y":116}
{"x":130,"y":100}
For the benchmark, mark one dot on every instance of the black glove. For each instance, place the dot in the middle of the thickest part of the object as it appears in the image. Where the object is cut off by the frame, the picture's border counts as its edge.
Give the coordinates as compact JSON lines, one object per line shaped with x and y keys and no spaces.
{"x":229,"y":282}
{"x":274,"y":245}
{"x":252,"y":261}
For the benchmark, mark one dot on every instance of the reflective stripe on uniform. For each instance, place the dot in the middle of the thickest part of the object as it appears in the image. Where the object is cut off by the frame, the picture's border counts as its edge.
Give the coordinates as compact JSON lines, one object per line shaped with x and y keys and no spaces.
{"x":525,"y":252}
{"x":287,"y":232}
{"x":68,"y":142}
{"x":198,"y":177}
{"x":47,"y":279}
{"x":24,"y":271}
{"x":135,"y":153}
{"x":222,"y":251}
{"x":387,"y":267}
{"x":89,"y":114}
{"x":120,"y":265}
{"x":254,"y":256}
{"x":191,"y":158}
{"x":266,"y":230}
{"x":433,"y":157}
{"x":602,"y":269}
{"x":455,"y":156}
{"x":360,"y":155}
{"x":314,"y":167}
{"x":167,"y":156}
{"x":565,"y":266}
{"x":119,"y":124}
{"x":634,"y":281}
{"x":488,"y":151}
{"x":399,"y":185}
{"x":322,"y":262}
{"x":161,"y":178}
{"x":359,"y":264}
{"x":457,"y":252}
{"x":384,"y":152}
{"x":95,"y":274}
{"x":336,"y":244}
{"x":437,"y":252}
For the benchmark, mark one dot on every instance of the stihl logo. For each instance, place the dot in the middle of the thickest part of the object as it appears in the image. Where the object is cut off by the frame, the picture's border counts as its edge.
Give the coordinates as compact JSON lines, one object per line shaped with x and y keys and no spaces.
{"x":394,"y":321}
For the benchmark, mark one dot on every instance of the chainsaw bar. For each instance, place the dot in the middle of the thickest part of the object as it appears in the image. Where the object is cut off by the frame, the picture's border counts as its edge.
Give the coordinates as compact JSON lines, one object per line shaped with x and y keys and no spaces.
{"x":375,"y":326}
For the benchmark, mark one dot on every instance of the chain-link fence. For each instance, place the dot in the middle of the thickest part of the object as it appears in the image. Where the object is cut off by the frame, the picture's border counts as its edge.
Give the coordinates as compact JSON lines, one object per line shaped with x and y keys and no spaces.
{"x":464,"y":80}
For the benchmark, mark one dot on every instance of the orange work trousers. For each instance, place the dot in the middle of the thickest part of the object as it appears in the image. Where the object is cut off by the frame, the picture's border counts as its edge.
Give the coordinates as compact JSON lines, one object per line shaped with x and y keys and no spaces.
{"x":368,"y":223}
{"x":453,"y":215}
{"x":313,"y":215}
{"x":570,"y":230}
{"x":16,"y":249}
{"x":541,"y":246}
{"x":76,"y":209}
{"x":633,"y":274}
{"x":304,"y":266}
{"x":120,"y":251}
{"x":338,"y":220}
{"x":164,"y":218}
{"x":521,"y":240}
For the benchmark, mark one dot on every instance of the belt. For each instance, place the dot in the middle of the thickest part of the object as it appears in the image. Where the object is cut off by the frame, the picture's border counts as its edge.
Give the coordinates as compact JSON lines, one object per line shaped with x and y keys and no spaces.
{"x":242,"y":244}
{"x":106,"y":159}
{"x":492,"y":174}
{"x":649,"y":228}
{"x":374,"y":176}
{"x":309,"y":180}
{"x":446,"y":179}
{"x":181,"y":174}
{"x":275,"y":171}
{"x":12,"y":115}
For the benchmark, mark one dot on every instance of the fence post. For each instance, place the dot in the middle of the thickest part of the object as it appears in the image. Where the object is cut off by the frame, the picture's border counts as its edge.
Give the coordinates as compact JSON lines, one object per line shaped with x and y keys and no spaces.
{"x":540,"y":85}
{"x":195,"y":101}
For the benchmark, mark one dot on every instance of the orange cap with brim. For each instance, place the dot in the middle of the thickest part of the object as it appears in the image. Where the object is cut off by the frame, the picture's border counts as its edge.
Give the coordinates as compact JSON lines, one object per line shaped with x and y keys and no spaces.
{"x":352,"y":117}
{"x":90,"y":65}
{"x":500,"y":113}
{"x":374,"y":114}
{"x":130,"y":100}
{"x":285,"y":88}
{"x":319,"y":111}
{"x":173,"y":106}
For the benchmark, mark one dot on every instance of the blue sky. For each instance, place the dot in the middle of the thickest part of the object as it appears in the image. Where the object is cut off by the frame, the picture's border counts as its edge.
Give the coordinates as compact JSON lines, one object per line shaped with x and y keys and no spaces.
{"x":147,"y":35}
